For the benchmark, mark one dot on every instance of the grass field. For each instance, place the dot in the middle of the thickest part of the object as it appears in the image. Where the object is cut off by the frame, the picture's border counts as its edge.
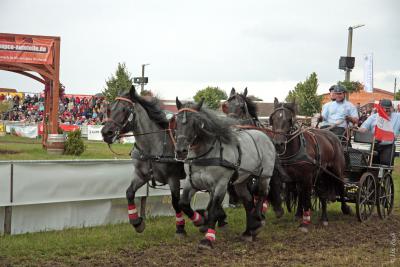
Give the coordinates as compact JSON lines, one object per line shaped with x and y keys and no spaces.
{"x":20,"y":148}
{"x":345,"y":242}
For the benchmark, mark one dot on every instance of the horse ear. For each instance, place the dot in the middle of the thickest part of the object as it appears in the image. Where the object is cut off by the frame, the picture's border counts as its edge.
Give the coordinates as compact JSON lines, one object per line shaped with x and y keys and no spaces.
{"x":276,"y":102}
{"x":132,"y":92}
{"x":245,"y":92}
{"x":178,"y":104}
{"x":233,"y":92}
{"x":200,"y":104}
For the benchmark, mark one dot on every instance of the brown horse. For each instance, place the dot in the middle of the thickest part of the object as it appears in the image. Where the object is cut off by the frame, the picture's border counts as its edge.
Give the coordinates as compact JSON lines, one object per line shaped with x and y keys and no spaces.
{"x":313,"y":158}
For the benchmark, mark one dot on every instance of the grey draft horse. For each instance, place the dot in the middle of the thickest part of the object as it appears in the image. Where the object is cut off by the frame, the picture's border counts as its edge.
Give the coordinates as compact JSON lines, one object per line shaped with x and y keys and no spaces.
{"x":153,"y":153}
{"x":241,"y":107}
{"x":214,"y":153}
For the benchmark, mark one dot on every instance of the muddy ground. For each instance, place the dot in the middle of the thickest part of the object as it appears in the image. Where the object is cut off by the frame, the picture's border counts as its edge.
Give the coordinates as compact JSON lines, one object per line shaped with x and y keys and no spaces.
{"x":345,"y":242}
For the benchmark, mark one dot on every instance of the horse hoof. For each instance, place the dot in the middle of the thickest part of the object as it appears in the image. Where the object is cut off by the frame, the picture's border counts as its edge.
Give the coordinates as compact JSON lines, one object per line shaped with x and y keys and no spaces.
{"x":180,"y":235}
{"x":203,"y":229}
{"x":247,"y":238}
{"x":279,"y":213}
{"x":256,"y":231}
{"x":205,"y":244}
{"x":140,"y":228}
{"x":303,"y":228}
{"x":325,"y":223}
{"x":223,"y":226}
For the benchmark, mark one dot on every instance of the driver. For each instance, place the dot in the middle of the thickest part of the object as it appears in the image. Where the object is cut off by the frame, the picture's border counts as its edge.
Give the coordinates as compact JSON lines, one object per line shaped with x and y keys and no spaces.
{"x":339,"y":114}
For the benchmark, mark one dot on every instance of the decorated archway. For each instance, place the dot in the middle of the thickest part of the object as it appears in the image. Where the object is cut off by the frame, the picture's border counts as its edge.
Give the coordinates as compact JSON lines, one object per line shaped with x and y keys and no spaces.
{"x":29,"y":54}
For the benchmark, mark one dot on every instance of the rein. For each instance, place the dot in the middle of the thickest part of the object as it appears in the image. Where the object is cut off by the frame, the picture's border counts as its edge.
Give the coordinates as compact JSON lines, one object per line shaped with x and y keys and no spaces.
{"x":119,"y":136}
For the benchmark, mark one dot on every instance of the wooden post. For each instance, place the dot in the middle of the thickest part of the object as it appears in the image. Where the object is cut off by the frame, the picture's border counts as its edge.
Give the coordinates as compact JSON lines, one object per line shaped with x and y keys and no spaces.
{"x":7,"y":220}
{"x":8,"y":209}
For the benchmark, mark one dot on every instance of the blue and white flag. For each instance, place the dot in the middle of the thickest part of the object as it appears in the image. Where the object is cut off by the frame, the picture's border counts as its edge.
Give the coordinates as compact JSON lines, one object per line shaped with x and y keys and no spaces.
{"x":368,"y":73}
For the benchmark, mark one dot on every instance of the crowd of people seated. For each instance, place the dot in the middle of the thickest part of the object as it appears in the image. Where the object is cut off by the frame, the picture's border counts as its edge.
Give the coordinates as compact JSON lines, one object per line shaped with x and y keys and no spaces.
{"x":73,"y":110}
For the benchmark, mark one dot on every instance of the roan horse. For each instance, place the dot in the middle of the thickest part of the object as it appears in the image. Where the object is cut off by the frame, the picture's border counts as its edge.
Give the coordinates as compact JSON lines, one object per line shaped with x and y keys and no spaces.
{"x":312,"y":157}
{"x":153,"y":154}
{"x":241,"y":107}
{"x":214,"y":154}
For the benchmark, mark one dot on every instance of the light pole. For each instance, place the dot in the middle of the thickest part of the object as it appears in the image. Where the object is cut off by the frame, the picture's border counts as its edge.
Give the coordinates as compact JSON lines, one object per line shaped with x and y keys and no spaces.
{"x":349,"y":46}
{"x":142,"y":83}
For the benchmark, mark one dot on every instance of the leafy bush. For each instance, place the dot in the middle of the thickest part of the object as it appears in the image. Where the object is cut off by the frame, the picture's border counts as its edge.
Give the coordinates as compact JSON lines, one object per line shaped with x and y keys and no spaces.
{"x":74,"y":144}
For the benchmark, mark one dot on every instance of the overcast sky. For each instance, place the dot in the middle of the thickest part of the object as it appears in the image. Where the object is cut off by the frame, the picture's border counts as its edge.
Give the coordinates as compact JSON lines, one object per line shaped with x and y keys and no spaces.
{"x":268,"y":46}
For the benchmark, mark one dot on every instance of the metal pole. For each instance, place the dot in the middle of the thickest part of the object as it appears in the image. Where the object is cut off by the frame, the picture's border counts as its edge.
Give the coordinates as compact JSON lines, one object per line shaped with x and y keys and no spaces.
{"x":349,"y":46}
{"x":142,"y":84}
{"x":394,"y":91}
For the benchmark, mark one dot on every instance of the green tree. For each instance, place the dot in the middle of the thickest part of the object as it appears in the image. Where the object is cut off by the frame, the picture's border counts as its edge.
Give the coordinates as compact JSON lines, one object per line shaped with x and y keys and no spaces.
{"x":121,"y":80}
{"x":305,"y":95}
{"x":212,"y":96}
{"x":397,"y":95}
{"x":351,"y":86}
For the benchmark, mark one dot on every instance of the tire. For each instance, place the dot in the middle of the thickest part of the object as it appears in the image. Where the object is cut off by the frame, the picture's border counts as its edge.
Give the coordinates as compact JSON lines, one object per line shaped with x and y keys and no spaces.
{"x":366,"y":196}
{"x":385,"y":199}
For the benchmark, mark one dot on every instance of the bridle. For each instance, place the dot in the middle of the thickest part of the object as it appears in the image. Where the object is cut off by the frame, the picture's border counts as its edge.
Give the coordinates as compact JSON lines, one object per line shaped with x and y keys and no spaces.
{"x":289,"y":135}
{"x":130,"y":120}
{"x":243,"y":106}
{"x":184,"y":120}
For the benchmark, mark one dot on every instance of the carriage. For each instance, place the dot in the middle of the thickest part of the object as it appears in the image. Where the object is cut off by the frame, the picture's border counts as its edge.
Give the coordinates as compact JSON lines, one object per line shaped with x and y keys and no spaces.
{"x":366,"y":184}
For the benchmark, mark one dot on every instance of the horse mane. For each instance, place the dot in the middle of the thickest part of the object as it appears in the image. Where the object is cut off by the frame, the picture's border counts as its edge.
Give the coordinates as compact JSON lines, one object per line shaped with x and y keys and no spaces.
{"x":214,"y":124}
{"x":251,"y":107}
{"x":153,"y":109}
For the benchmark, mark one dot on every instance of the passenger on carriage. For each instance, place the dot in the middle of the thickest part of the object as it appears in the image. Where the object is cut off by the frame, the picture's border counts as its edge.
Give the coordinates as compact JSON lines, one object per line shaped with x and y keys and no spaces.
{"x":385,"y":149}
{"x":338,"y":114}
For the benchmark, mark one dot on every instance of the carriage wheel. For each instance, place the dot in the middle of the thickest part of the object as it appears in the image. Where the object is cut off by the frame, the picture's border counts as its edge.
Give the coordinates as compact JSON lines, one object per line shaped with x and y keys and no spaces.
{"x":366,"y":196}
{"x":385,"y":198}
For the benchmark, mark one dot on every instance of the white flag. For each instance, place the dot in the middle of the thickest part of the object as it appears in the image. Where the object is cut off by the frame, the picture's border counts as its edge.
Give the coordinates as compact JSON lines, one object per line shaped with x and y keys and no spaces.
{"x":368,"y":73}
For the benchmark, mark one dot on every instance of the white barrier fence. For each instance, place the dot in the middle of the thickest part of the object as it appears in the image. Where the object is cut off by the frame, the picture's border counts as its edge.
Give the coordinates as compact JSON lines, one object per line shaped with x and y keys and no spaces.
{"x":31,"y":130}
{"x":53,"y":195}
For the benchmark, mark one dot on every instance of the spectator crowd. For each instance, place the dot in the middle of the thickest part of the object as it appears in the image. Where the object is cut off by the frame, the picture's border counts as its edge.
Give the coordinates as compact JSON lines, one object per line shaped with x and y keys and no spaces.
{"x":73,"y":110}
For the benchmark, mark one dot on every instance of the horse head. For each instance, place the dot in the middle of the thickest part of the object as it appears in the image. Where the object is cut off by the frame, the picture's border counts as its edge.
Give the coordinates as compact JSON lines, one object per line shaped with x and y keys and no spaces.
{"x":282,"y":120}
{"x":236,"y":105}
{"x":187,"y":127}
{"x":122,"y":116}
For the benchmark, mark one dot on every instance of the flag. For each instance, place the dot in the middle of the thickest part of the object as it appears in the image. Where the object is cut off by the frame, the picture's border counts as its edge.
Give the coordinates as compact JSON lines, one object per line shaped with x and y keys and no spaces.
{"x":368,"y":73}
{"x":383,"y":127}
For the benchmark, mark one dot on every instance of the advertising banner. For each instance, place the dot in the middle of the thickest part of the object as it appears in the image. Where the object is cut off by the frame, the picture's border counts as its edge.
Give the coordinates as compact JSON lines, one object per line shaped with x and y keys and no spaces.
{"x":69,"y":128}
{"x":26,"y":50}
{"x":94,"y":132}
{"x":30,"y":131}
{"x":368,"y":73}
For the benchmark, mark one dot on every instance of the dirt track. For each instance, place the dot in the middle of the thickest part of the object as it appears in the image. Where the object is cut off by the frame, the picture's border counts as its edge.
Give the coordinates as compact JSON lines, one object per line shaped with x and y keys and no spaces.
{"x":344,"y":242}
